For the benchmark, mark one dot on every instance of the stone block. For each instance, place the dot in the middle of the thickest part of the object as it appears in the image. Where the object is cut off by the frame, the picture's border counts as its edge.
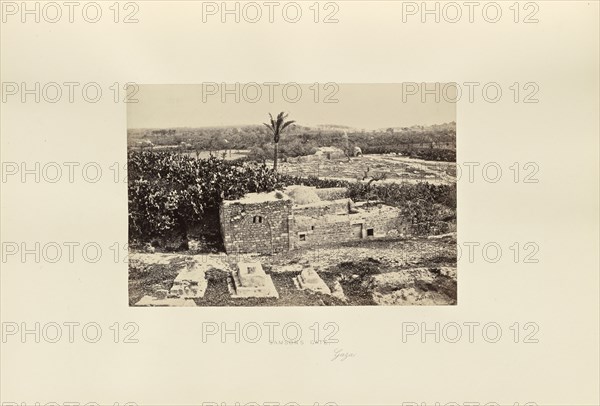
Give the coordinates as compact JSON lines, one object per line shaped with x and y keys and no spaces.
{"x":190,"y":282}
{"x":167,"y":302}
{"x":310,"y":280}
{"x":250,"y":280}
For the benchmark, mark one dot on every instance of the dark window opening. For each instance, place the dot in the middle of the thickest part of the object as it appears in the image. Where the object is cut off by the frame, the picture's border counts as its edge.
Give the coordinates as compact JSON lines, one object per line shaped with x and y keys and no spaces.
{"x":302,"y":237}
{"x":257,"y":219}
{"x":312,"y":227}
{"x":369,"y":232}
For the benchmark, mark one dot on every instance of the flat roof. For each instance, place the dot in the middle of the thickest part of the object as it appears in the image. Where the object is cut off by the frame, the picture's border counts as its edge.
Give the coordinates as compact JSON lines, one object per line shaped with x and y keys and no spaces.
{"x":251,"y":198}
{"x":324,"y":203}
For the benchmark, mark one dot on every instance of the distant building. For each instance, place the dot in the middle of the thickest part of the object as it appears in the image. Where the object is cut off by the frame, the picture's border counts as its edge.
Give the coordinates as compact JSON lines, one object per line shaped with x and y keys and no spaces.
{"x":322,"y":154}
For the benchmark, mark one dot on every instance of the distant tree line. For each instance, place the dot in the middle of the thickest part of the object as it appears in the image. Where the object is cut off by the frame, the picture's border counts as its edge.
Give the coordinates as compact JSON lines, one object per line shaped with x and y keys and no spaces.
{"x":420,"y":142}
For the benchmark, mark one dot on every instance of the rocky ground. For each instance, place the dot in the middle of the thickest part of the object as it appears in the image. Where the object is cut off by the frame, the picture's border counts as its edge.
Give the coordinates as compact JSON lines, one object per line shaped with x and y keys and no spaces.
{"x":415,"y":271}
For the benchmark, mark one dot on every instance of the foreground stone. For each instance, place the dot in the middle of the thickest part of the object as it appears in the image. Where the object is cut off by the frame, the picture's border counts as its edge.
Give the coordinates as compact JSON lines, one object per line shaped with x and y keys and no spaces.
{"x":250,"y":280}
{"x":166,"y":302}
{"x":310,"y":280}
{"x":190,"y":282}
{"x":410,"y":297}
{"x":415,"y":287}
{"x":338,"y":292}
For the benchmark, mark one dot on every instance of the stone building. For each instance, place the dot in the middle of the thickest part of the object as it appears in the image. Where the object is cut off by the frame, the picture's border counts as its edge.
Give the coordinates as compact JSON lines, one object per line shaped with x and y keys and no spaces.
{"x":258,"y":222}
{"x":342,"y":221}
{"x":301,"y":217}
{"x":322,"y":154}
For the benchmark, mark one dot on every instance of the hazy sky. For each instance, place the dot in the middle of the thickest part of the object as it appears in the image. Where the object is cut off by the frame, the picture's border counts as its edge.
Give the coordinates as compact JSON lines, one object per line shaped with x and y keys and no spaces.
{"x":367,"y":106}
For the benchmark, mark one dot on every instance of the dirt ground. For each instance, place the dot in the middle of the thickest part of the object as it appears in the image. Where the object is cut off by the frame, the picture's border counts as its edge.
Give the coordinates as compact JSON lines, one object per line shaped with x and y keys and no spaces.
{"x":414,"y":271}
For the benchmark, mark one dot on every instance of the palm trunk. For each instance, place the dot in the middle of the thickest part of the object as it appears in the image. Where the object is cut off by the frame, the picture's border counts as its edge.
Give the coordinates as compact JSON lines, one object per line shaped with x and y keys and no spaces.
{"x":275,"y":154}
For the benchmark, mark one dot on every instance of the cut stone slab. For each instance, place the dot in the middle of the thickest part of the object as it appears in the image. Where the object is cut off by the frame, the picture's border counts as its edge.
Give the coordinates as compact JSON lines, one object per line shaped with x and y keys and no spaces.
{"x":310,"y":280}
{"x":250,"y":280}
{"x":190,"y":282}
{"x":167,"y":302}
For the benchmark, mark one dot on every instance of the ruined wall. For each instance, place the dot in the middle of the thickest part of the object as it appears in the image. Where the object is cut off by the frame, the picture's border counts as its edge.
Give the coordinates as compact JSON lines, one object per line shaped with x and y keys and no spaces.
{"x":243,"y":232}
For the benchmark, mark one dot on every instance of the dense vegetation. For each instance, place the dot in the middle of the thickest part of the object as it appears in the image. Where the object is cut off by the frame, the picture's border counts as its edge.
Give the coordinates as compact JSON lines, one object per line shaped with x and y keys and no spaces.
{"x":171,"y":192}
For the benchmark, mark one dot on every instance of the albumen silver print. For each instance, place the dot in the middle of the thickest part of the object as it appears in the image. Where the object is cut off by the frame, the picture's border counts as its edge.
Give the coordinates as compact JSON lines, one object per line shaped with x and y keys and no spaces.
{"x":284,"y":194}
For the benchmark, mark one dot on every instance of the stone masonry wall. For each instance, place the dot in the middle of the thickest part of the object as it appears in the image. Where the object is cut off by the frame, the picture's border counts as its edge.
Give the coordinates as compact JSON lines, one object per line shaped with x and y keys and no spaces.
{"x":243,"y":233}
{"x":313,"y":231}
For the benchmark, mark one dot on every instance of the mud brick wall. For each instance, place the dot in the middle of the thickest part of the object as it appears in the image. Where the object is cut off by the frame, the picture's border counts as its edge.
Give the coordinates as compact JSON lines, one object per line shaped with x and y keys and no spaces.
{"x":241,"y":234}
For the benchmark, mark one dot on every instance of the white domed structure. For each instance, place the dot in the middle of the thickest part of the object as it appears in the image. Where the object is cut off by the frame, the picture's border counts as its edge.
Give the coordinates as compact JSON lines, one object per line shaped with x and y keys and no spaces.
{"x":302,"y":194}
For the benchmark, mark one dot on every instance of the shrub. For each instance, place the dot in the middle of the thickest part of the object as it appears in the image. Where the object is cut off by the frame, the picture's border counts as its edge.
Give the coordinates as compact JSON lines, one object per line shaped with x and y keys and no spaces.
{"x":169,"y":192}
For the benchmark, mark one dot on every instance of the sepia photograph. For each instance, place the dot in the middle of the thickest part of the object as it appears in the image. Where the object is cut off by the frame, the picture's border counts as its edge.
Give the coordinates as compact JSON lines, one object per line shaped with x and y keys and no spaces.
{"x":300,"y":203}
{"x":291,"y":195}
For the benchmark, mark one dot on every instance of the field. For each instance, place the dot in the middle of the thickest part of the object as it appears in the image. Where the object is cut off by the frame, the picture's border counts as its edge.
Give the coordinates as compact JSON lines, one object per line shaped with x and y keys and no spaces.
{"x":396,"y":168}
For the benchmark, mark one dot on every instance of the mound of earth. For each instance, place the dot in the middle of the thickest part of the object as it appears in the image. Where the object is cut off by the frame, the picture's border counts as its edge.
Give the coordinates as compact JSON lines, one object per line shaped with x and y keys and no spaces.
{"x":416,"y":286}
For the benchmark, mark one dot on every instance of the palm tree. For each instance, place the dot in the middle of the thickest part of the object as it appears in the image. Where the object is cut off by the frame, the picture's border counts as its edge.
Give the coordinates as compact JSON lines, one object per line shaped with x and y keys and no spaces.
{"x":277,"y":127}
